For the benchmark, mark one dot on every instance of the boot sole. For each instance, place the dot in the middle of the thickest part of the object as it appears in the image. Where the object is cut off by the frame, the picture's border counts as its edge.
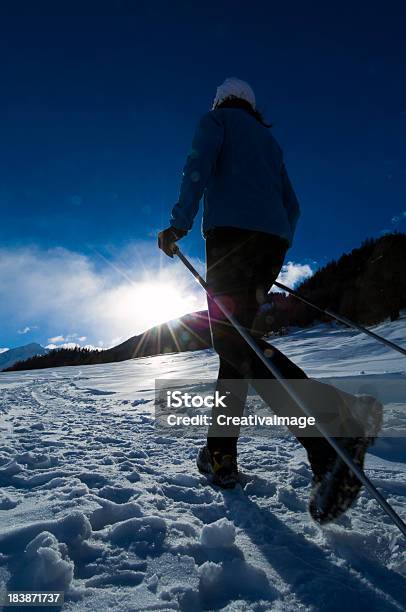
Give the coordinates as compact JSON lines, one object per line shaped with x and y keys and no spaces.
{"x":368,"y":412}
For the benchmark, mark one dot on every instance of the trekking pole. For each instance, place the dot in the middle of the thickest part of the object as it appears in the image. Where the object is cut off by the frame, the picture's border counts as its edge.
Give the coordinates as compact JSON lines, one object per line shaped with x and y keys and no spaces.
{"x":341,"y":452}
{"x":342,"y":319}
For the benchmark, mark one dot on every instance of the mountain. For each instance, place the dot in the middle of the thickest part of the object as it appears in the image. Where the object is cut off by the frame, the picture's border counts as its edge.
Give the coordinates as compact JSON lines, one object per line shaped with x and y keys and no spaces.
{"x":20,"y":353}
{"x":188,"y":333}
{"x":366,"y":285}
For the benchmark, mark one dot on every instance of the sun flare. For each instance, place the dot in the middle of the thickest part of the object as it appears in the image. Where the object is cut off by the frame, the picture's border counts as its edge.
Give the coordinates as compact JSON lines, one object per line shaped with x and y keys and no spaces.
{"x":161,"y":301}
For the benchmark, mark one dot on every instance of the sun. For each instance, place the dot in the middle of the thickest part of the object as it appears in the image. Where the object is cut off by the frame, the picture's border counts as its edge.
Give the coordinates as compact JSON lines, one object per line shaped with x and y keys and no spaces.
{"x":160,"y":301}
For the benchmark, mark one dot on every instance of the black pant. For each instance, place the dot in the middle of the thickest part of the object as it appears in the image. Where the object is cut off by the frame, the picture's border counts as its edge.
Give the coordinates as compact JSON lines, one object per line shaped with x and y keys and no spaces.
{"x":241,"y":268}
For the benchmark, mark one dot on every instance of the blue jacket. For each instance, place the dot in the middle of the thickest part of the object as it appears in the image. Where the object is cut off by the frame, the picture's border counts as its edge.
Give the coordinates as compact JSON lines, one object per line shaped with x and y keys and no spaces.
{"x":237,"y":165}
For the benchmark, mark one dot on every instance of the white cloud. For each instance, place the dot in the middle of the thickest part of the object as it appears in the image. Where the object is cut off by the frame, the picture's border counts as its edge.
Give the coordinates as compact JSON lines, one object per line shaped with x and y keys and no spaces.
{"x":67,"y":338}
{"x":27,"y":329}
{"x":56,"y":339}
{"x":70,"y":345}
{"x":62,"y":289}
{"x":77,"y":298}
{"x":293,"y":273}
{"x":4,"y":350}
{"x":64,"y":345}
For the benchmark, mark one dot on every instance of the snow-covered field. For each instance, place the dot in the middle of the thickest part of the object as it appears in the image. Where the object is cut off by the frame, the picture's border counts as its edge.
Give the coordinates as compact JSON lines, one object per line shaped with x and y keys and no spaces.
{"x":94,"y":502}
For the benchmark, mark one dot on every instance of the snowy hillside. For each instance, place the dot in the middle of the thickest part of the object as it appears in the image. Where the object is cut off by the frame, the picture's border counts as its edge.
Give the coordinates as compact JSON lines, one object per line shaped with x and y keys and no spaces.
{"x":20,"y":353}
{"x":94,"y":502}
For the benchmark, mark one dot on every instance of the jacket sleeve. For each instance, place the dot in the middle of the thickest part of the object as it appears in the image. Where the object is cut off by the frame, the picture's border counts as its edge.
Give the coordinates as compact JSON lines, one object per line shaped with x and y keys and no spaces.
{"x":290,"y":200}
{"x":200,"y":162}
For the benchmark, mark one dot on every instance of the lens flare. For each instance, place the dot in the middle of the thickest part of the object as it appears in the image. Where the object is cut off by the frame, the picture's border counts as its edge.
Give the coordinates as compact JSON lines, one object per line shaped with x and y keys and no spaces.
{"x":161,"y":301}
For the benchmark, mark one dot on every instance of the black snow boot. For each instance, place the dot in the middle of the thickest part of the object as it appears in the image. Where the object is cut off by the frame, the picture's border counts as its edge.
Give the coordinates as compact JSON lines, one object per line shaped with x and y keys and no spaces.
{"x":335,"y":487}
{"x":220,"y":466}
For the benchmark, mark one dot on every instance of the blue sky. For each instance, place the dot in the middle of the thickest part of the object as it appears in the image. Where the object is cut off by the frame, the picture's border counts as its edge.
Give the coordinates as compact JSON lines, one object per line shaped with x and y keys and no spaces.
{"x":97,"y":112}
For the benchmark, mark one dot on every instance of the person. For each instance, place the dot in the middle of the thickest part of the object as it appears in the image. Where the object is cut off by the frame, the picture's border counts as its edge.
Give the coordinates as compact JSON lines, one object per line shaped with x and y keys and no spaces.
{"x":249,"y":221}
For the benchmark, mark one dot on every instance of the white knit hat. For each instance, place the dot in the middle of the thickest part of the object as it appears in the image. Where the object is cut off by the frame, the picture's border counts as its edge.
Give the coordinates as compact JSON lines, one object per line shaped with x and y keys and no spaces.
{"x":236,"y":88}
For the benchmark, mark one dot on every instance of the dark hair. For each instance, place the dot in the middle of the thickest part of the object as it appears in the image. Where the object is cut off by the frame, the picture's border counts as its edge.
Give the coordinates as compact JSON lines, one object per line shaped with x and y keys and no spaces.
{"x":234,"y":102}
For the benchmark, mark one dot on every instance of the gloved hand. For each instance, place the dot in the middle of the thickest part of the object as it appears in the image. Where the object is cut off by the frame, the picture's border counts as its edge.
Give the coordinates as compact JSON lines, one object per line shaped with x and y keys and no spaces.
{"x":167,"y":239}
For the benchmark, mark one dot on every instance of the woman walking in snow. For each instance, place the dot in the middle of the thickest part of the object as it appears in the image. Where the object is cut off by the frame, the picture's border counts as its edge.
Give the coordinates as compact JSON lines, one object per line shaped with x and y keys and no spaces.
{"x":249,"y":220}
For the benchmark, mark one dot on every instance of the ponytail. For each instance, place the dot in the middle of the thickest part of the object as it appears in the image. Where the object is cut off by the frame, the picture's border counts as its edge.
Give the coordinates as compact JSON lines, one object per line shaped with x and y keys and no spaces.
{"x":234,"y":102}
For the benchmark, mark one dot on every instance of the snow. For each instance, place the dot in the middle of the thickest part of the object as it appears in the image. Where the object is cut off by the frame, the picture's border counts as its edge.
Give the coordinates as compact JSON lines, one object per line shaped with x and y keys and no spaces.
{"x":47,"y":564}
{"x":221,"y":533}
{"x":95,"y":502}
{"x":9,"y":357}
